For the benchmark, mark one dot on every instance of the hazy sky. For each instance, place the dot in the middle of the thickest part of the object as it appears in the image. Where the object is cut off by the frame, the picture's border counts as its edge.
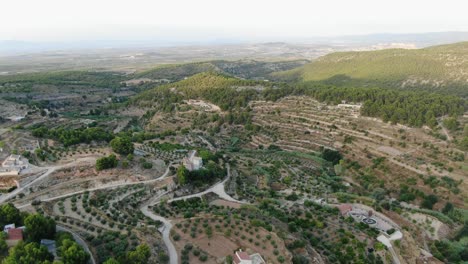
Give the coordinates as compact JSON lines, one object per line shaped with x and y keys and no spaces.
{"x":51,"y":20}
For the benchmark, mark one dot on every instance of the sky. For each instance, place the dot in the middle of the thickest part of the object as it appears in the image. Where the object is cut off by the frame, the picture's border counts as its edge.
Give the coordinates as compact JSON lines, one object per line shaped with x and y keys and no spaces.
{"x":185,"y":20}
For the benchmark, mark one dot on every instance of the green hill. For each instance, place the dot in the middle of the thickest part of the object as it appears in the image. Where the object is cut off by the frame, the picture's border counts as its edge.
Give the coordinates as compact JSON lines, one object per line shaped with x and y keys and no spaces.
{"x":226,"y":91}
{"x":439,"y":69}
{"x":245,"y":69}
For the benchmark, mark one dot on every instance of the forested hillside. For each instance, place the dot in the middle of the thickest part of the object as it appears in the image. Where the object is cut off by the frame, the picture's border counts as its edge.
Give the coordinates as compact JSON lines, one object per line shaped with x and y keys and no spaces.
{"x":224,"y":91}
{"x":246,"y":69}
{"x":85,"y":78}
{"x":440,"y":69}
{"x":415,"y":108}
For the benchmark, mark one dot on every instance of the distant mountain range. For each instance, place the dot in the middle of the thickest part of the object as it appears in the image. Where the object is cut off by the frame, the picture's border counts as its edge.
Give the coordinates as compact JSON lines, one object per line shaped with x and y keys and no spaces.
{"x":13,"y":47}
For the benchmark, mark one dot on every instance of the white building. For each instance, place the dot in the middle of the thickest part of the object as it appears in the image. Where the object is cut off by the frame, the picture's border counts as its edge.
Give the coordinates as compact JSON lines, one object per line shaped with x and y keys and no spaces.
{"x":15,"y":118}
{"x":193,"y":162}
{"x":241,"y":257}
{"x":8,"y":227}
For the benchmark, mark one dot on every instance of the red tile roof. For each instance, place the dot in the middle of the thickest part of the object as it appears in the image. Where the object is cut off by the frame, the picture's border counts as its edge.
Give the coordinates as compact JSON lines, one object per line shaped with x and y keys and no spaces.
{"x":15,"y":234}
{"x":236,"y":259}
{"x":243,"y":255}
{"x":345,"y":208}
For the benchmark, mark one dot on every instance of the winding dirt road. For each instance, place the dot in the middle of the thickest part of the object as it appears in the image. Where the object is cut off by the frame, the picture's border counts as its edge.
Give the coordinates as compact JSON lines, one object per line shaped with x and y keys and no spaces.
{"x":217,"y":188}
{"x":49,"y":171}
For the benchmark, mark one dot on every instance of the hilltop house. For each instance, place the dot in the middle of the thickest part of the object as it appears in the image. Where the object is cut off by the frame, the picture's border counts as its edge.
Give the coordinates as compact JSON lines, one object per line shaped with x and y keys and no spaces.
{"x":345,"y":209}
{"x":193,"y":162}
{"x":241,"y":257}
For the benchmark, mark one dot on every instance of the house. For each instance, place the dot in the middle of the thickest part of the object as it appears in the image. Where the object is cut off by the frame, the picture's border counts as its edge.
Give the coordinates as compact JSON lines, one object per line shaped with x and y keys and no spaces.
{"x":345,"y":209}
{"x":241,"y":257}
{"x":15,"y":235}
{"x":15,"y":118}
{"x":8,"y":227}
{"x":50,"y":245}
{"x":193,"y":162}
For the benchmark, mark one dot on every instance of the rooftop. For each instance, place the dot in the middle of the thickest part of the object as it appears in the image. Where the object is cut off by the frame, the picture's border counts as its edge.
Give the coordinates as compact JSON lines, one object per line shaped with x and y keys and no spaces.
{"x":15,"y":234}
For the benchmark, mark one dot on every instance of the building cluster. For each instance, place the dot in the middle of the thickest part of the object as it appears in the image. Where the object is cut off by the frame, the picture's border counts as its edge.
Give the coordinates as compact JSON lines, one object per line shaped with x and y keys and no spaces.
{"x":15,"y":234}
{"x":13,"y":165}
{"x":192,"y":162}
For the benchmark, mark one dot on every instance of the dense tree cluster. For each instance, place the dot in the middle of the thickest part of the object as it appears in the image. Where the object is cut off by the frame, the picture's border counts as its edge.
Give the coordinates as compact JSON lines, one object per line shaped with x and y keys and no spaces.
{"x":39,"y":227}
{"x":70,"y":137}
{"x":28,"y":253}
{"x":412,"y":108}
{"x":428,"y":69}
{"x":454,"y":251}
{"x":227,"y":92}
{"x":140,"y":255}
{"x":9,"y":214}
{"x":122,"y":145}
{"x":107,"y":162}
{"x":331,"y":155}
{"x":72,"y":253}
{"x":76,"y":78}
{"x":209,"y":173}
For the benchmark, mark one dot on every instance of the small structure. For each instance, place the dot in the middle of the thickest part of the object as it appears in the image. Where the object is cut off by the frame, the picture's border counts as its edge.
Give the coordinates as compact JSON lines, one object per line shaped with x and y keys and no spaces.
{"x":193,"y":162}
{"x":15,"y":235}
{"x":11,"y":161}
{"x":345,"y":209}
{"x":50,"y":245}
{"x":13,"y":165}
{"x":15,"y":118}
{"x":8,"y":227}
{"x":242,"y":257}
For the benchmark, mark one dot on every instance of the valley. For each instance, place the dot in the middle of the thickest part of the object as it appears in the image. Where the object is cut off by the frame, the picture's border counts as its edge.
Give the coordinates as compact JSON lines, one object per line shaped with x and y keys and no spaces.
{"x":203,"y":162}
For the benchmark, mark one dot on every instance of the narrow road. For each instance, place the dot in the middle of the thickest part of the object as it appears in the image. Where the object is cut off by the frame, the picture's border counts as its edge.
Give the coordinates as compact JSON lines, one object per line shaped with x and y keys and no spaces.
{"x":386,"y":241}
{"x":49,"y":171}
{"x":217,"y":188}
{"x":165,"y":229}
{"x":78,"y":240}
{"x":210,"y":146}
{"x":441,"y":124}
{"x":110,"y":186}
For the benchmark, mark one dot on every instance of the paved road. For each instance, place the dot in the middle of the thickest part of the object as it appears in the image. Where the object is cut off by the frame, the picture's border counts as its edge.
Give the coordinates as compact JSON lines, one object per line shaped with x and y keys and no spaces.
{"x":165,"y":229}
{"x":78,"y":240}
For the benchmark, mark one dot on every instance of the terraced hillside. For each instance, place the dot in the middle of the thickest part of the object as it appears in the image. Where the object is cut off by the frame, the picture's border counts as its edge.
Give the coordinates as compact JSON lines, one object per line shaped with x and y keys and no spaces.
{"x":439,"y":68}
{"x":396,"y":154}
